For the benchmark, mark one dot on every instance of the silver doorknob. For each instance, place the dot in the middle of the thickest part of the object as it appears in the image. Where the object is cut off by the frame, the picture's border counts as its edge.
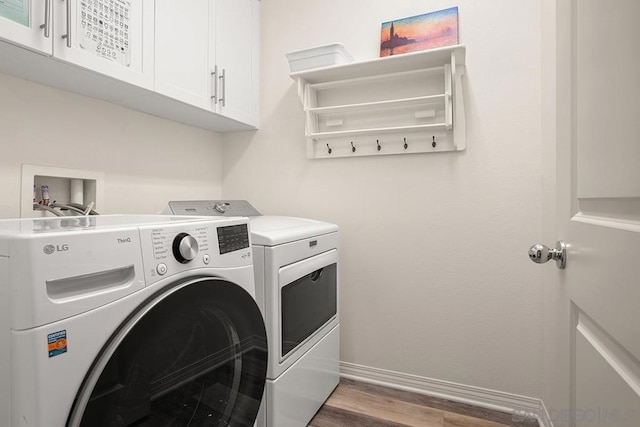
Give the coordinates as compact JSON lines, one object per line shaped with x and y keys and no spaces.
{"x":540,"y":254}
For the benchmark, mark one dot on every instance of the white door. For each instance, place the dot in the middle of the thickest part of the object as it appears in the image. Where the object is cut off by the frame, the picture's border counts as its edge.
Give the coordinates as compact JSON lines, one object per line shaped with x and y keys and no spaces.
{"x":111,"y":37}
{"x":237,"y":26}
{"x":184,"y":51}
{"x":592,"y":360}
{"x":21,"y":21}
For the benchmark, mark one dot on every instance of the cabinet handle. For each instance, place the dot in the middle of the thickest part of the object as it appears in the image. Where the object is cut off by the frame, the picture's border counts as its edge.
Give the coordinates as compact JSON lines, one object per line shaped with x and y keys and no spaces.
{"x":214,"y":82}
{"x":47,"y":18}
{"x":222,"y":98}
{"x":68,"y":35}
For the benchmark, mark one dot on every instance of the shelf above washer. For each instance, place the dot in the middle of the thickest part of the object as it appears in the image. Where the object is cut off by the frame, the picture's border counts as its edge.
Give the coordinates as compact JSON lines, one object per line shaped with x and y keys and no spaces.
{"x":422,"y":60}
{"x":415,"y":95}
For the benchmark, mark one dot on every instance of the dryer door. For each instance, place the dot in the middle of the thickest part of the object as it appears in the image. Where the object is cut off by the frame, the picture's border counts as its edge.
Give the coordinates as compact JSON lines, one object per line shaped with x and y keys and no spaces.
{"x":194,"y":354}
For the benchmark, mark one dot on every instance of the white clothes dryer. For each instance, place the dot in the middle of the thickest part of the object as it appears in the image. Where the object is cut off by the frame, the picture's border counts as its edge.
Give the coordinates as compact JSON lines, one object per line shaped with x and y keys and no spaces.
{"x":129,"y":320}
{"x":296,"y":272}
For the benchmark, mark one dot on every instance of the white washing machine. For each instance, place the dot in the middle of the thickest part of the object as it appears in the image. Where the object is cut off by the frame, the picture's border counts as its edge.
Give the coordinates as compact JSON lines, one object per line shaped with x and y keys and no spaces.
{"x":129,"y":320}
{"x":296,"y":271}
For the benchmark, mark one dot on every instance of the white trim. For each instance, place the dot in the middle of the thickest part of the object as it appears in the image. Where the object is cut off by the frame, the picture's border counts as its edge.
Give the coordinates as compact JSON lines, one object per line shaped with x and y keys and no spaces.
{"x":477,"y":396}
{"x":543,"y":416}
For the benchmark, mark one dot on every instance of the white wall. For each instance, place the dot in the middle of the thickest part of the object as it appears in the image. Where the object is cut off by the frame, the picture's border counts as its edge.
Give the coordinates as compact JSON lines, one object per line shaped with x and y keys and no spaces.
{"x":146,"y":160}
{"x":434,"y":273}
{"x":435,"y":277}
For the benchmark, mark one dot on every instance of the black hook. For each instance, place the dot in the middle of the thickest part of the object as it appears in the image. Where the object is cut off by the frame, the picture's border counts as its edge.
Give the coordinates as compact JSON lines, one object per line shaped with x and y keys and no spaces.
{"x":329,"y":150}
{"x":405,"y":144}
{"x":433,"y":144}
{"x":379,"y":147}
{"x":353,"y":149}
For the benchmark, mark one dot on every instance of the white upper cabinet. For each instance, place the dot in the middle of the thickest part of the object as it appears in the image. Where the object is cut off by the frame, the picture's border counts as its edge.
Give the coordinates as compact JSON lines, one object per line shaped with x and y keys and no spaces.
{"x":192,"y":61}
{"x":112,"y":37}
{"x":184,"y":62}
{"x":237,"y":55}
{"x":207,"y":55}
{"x":27,"y":23}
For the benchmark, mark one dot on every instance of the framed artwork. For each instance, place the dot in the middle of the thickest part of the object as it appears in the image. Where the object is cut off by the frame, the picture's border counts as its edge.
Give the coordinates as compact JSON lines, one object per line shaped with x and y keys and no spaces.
{"x":421,"y":32}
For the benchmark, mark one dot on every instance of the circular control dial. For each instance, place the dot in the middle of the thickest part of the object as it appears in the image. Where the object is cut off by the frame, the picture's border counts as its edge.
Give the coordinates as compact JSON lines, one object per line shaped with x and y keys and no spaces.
{"x":185,"y":248}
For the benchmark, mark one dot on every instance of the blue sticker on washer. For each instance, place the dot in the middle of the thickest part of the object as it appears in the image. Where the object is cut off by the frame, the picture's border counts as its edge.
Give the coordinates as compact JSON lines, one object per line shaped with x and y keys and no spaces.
{"x":57,"y":343}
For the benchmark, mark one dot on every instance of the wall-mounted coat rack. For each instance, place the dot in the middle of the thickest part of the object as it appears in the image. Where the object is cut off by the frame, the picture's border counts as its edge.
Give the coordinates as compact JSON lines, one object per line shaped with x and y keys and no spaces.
{"x":409,"y":103}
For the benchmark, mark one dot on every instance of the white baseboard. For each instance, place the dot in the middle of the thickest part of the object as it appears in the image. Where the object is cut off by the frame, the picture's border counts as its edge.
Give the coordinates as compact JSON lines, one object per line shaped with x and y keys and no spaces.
{"x":482,"y":397}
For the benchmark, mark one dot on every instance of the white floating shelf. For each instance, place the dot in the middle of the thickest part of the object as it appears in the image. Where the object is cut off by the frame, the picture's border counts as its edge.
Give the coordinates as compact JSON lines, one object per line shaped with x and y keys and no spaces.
{"x":372,"y":79}
{"x":421,"y":60}
{"x":415,"y":95}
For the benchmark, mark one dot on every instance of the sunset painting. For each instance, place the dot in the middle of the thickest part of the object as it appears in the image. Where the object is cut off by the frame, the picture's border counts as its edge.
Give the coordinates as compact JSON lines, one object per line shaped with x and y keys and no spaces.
{"x":421,"y":32}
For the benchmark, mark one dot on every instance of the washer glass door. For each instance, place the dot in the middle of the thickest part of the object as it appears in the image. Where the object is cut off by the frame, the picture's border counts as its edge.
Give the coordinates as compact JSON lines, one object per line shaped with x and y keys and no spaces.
{"x":193,"y":355}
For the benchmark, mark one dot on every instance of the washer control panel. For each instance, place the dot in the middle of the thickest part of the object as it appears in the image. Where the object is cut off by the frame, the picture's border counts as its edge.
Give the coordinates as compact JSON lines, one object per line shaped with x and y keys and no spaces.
{"x":170,"y":244}
{"x":169,"y":249}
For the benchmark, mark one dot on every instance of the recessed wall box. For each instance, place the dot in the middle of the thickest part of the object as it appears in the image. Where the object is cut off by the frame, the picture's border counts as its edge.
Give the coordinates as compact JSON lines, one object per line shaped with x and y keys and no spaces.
{"x":64,"y":186}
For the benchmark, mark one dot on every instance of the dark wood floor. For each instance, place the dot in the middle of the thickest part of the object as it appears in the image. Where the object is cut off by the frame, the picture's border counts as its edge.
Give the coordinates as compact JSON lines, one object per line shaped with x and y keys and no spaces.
{"x":358,"y":404}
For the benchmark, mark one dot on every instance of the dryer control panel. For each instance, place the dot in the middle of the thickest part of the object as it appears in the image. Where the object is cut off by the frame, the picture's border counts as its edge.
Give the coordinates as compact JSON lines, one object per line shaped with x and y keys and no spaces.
{"x":212,"y":208}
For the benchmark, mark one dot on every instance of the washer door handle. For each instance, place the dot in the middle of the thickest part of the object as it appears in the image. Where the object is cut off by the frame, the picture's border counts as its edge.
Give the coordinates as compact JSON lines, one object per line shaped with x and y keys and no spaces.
{"x":316,"y":275}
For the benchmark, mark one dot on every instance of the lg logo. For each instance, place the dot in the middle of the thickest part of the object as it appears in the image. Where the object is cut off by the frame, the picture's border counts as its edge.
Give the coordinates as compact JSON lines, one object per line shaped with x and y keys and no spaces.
{"x":50,"y":249}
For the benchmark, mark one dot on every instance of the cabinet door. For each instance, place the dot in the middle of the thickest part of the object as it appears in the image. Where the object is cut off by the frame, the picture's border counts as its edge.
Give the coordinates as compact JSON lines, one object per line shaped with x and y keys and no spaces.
{"x":237,"y":54}
{"x":111,"y":37}
{"x":182,"y":45}
{"x":20,"y":22}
